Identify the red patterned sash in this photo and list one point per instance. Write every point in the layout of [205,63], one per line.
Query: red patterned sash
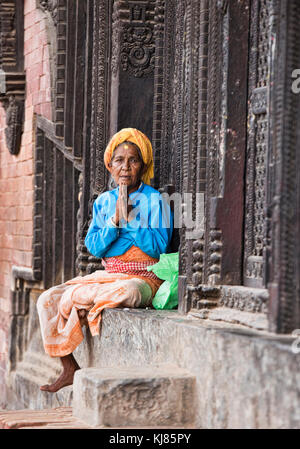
[115,265]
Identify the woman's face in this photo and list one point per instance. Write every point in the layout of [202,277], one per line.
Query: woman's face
[127,166]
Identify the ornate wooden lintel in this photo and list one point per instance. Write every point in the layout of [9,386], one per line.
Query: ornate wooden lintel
[133,37]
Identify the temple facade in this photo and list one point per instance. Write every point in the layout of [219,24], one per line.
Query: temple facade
[215,85]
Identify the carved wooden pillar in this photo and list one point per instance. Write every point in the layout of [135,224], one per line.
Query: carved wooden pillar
[283,180]
[189,137]
[133,63]
[257,145]
[227,108]
[12,82]
[213,159]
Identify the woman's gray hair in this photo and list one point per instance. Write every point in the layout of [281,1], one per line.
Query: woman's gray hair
[129,143]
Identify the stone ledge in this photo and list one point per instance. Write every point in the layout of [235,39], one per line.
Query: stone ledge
[136,396]
[245,378]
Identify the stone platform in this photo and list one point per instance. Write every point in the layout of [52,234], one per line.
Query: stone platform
[244,378]
[155,395]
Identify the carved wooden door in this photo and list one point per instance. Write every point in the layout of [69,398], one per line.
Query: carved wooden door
[132,70]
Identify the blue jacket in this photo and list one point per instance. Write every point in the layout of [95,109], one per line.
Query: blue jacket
[150,229]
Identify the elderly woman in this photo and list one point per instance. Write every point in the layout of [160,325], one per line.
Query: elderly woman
[131,227]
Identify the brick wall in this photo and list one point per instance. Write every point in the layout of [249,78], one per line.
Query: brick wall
[16,172]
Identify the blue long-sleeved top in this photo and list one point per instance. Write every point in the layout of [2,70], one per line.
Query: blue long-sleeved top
[150,229]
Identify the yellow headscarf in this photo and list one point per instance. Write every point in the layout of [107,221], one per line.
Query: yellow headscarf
[138,138]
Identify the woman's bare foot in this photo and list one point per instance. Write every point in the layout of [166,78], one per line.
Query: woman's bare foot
[66,378]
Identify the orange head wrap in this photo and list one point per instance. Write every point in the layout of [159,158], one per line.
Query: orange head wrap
[138,138]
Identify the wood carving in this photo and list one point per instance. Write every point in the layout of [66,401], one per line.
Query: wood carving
[12,92]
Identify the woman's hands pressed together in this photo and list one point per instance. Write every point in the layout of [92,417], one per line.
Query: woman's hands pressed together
[123,207]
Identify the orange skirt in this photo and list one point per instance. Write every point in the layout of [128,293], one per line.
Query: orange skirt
[58,307]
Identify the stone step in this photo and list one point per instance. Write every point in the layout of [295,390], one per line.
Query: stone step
[58,418]
[26,382]
[156,395]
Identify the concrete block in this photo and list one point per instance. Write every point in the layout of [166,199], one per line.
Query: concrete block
[136,396]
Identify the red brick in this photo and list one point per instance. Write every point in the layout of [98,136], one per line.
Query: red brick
[4,293]
[36,57]
[36,97]
[13,184]
[28,183]
[4,279]
[35,70]
[39,41]
[33,85]
[26,138]
[3,186]
[27,150]
[28,46]
[29,5]
[48,94]
[31,31]
[43,82]
[24,228]
[28,167]
[6,254]
[12,172]
[31,18]
[29,112]
[42,97]
[11,227]
[10,213]
[23,258]
[2,227]
[14,242]
[37,109]
[28,101]
[25,198]
[26,212]
[46,53]
[8,199]
[46,110]
[6,267]
[32,58]
[20,213]
[22,243]
[6,242]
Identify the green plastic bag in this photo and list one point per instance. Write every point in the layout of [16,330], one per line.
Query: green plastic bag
[166,269]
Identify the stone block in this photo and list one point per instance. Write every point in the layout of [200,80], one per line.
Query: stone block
[136,396]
